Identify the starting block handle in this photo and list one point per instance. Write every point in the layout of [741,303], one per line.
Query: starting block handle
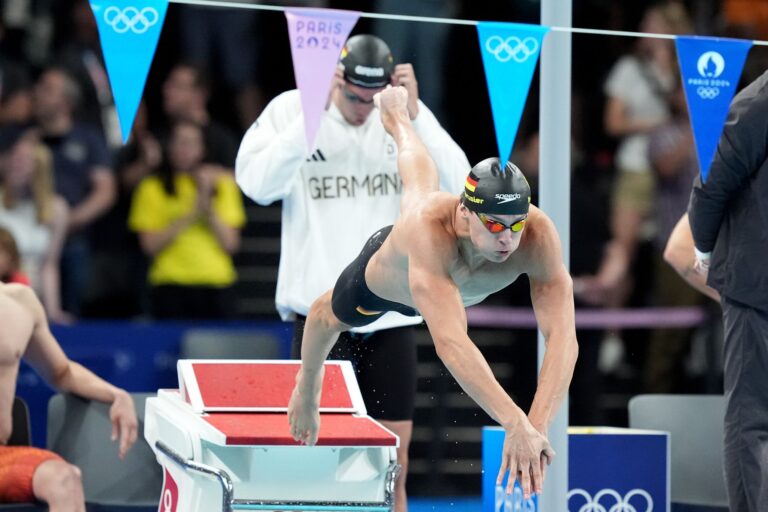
[227,487]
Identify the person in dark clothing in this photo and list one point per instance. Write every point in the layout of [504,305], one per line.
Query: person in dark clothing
[728,214]
[82,169]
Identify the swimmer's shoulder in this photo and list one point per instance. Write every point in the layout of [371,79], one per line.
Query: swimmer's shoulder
[434,214]
[439,206]
[21,294]
[539,235]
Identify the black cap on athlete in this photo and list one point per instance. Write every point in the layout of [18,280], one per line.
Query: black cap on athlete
[491,188]
[367,62]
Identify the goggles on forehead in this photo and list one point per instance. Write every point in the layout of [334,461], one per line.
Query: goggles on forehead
[496,227]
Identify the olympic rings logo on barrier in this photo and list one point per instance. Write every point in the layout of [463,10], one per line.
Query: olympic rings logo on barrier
[708,93]
[615,502]
[521,50]
[130,18]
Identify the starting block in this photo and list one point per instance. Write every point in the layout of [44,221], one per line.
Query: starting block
[224,442]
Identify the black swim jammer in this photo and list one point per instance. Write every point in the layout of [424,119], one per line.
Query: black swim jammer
[353,303]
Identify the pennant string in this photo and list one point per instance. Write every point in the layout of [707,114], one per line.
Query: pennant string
[447,21]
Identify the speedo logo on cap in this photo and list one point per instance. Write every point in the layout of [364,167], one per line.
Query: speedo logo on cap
[366,71]
[505,198]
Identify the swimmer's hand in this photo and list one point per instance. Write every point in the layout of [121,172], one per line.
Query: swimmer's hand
[392,102]
[525,454]
[304,408]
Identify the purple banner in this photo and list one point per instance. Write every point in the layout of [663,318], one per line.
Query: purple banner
[317,37]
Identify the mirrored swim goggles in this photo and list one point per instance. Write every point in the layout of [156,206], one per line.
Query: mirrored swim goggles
[496,227]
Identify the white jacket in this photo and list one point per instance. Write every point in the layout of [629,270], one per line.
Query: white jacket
[335,198]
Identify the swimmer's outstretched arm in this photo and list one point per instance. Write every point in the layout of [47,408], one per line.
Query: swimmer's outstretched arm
[552,298]
[437,298]
[414,163]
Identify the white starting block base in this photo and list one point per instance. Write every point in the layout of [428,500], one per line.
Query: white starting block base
[226,446]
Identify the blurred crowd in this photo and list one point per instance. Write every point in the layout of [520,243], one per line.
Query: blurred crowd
[151,229]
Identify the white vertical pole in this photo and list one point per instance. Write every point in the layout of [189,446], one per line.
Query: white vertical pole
[554,199]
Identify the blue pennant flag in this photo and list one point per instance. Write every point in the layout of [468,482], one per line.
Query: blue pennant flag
[711,69]
[510,52]
[129,31]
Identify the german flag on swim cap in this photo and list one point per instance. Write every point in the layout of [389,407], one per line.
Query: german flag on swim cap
[493,189]
[471,182]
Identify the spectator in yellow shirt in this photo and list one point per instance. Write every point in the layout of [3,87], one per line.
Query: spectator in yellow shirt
[188,217]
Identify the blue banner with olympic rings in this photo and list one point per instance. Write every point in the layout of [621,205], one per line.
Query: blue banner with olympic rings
[510,52]
[710,68]
[129,31]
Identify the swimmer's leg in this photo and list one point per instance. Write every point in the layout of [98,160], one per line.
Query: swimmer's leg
[321,330]
[59,484]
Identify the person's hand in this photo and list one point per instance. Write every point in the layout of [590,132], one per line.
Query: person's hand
[125,426]
[304,409]
[405,76]
[205,180]
[702,261]
[525,454]
[610,283]
[392,103]
[336,84]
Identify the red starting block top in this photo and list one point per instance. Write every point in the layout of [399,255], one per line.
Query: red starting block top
[262,386]
[241,429]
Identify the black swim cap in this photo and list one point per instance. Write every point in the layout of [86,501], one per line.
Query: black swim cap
[491,189]
[367,61]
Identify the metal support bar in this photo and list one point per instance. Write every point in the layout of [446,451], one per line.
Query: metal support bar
[227,489]
[389,486]
[555,200]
